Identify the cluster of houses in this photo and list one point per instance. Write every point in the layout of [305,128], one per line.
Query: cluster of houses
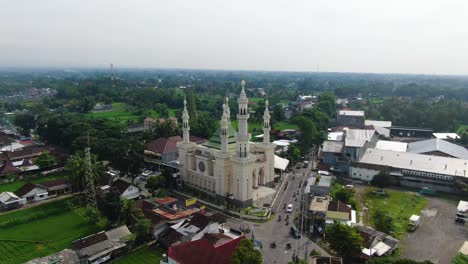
[95,248]
[17,155]
[414,157]
[323,210]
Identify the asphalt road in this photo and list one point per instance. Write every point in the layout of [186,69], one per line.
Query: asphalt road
[277,231]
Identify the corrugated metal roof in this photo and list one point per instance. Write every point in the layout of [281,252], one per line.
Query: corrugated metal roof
[391,145]
[417,162]
[333,146]
[358,137]
[435,144]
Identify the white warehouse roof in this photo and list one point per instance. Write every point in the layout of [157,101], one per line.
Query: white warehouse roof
[358,137]
[416,162]
[391,145]
[446,135]
[435,144]
[377,123]
[281,163]
[351,113]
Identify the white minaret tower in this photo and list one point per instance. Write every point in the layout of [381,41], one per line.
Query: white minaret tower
[266,124]
[224,131]
[185,124]
[243,136]
[228,111]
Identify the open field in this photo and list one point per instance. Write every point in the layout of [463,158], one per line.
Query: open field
[41,230]
[144,255]
[119,112]
[255,128]
[284,125]
[14,186]
[398,204]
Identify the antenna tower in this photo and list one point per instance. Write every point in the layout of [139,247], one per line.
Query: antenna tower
[112,75]
[90,191]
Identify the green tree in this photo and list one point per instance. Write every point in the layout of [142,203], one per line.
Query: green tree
[155,182]
[76,168]
[25,121]
[92,215]
[130,213]
[344,195]
[111,206]
[246,254]
[394,260]
[460,259]
[383,221]
[45,160]
[142,229]
[382,180]
[345,241]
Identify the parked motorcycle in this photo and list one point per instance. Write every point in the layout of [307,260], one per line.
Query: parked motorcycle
[288,246]
[279,218]
[273,244]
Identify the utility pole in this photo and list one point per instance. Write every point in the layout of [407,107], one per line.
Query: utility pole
[90,190]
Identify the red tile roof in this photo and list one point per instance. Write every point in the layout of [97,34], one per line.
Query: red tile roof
[89,240]
[177,215]
[339,206]
[120,185]
[203,251]
[27,152]
[168,145]
[53,183]
[26,188]
[165,200]
[8,168]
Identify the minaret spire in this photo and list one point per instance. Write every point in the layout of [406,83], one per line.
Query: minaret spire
[228,111]
[243,136]
[266,124]
[185,124]
[224,130]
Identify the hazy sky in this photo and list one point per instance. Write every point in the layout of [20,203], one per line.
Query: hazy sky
[404,36]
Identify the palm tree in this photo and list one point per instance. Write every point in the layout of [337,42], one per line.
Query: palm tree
[130,213]
[76,168]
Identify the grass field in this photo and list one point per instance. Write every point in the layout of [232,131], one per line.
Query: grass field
[255,128]
[400,205]
[284,125]
[141,256]
[119,112]
[13,186]
[53,224]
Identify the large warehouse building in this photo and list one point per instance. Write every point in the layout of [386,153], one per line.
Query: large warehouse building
[412,169]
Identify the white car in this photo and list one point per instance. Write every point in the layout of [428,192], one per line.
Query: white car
[289,209]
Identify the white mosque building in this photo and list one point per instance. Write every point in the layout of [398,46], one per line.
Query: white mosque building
[229,165]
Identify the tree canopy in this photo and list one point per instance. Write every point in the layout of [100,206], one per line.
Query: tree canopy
[246,254]
[345,241]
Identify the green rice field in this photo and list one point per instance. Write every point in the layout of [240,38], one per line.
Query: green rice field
[144,255]
[14,186]
[41,231]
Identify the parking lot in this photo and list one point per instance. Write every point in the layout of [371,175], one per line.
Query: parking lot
[438,238]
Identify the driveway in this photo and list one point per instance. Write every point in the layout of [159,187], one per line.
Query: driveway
[438,238]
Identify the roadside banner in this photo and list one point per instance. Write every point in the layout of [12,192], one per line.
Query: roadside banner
[191,201]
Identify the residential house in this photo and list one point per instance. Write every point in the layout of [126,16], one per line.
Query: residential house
[317,212]
[376,243]
[8,168]
[103,246]
[189,230]
[66,256]
[45,190]
[32,192]
[340,212]
[211,249]
[126,189]
[9,201]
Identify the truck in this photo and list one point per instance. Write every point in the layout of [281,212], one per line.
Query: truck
[413,222]
[462,212]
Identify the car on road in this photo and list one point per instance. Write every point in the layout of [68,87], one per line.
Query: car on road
[294,232]
[289,209]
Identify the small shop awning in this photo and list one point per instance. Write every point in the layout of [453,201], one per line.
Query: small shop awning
[281,163]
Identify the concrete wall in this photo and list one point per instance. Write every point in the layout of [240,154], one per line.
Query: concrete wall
[362,173]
